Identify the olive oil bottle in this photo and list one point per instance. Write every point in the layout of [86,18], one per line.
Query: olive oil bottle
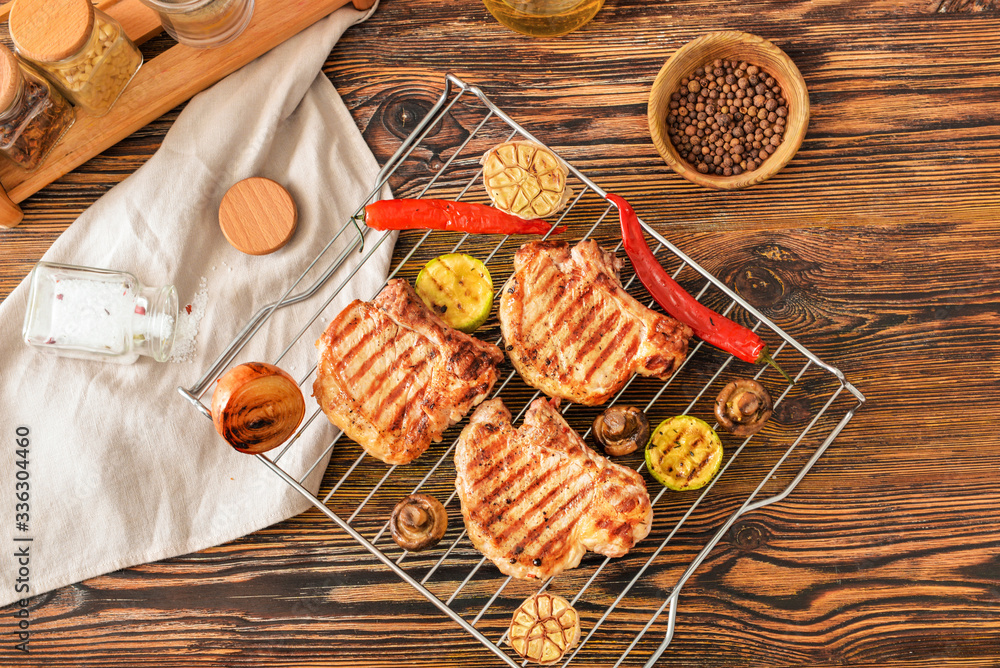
[543,18]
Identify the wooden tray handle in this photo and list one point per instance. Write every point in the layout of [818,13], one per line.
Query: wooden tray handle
[10,213]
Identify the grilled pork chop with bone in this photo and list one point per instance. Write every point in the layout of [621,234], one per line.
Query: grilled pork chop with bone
[573,332]
[394,377]
[536,498]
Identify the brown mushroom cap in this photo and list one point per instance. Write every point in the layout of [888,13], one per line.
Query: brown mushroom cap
[742,407]
[621,430]
[418,522]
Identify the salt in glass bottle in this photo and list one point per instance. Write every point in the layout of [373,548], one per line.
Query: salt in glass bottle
[98,314]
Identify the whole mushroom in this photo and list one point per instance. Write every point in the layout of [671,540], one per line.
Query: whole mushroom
[418,522]
[742,407]
[621,430]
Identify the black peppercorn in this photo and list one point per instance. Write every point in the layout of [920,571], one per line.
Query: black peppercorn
[726,117]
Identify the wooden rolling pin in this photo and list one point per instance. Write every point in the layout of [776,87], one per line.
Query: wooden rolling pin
[160,85]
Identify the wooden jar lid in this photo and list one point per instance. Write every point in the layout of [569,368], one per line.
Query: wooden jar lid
[257,216]
[10,78]
[50,30]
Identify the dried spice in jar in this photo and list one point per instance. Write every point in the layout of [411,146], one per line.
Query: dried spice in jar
[727,117]
[80,49]
[203,23]
[33,116]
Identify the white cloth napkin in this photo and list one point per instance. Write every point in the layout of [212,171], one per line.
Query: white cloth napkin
[123,470]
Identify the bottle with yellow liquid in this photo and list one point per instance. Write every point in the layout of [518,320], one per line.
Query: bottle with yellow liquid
[543,18]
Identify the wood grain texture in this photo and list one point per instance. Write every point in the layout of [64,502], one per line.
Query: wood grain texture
[966,5]
[876,246]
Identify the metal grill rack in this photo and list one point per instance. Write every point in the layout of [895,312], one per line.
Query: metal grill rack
[621,601]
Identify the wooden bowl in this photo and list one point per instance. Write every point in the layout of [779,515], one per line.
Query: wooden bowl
[738,46]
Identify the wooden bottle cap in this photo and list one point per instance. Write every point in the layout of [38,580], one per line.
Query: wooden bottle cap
[10,78]
[257,216]
[50,30]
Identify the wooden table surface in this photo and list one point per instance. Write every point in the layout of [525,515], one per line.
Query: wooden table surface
[877,247]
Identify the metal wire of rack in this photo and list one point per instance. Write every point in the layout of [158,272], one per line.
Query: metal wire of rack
[475,604]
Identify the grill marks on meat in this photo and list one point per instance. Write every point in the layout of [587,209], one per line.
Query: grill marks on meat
[573,332]
[536,498]
[394,377]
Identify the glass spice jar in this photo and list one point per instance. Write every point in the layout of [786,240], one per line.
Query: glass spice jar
[33,116]
[82,50]
[98,314]
[544,18]
[203,23]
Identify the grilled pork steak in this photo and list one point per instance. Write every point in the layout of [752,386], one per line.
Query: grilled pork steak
[394,377]
[535,499]
[573,332]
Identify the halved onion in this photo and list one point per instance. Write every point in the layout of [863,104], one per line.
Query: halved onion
[257,407]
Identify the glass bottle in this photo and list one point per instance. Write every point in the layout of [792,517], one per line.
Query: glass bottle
[98,314]
[80,49]
[203,23]
[33,116]
[543,18]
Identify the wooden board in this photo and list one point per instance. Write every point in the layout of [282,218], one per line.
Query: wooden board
[161,84]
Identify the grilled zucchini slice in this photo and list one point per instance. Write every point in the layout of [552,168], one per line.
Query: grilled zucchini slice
[458,288]
[684,453]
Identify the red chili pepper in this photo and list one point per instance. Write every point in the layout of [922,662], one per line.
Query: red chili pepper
[435,214]
[708,325]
